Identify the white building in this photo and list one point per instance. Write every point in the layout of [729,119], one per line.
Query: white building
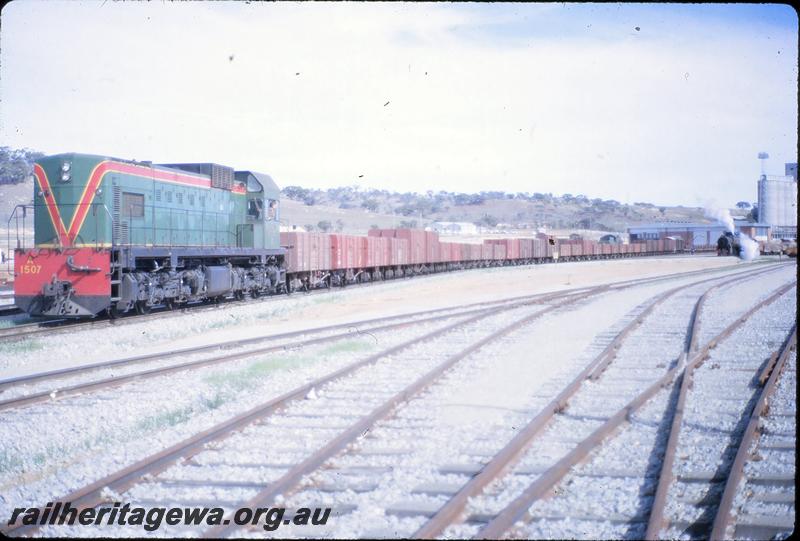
[777,202]
[454,228]
[691,233]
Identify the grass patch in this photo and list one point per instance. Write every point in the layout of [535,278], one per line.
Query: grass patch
[248,376]
[25,345]
[166,418]
[350,346]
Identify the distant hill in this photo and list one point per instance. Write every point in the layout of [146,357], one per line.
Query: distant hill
[358,209]
[355,211]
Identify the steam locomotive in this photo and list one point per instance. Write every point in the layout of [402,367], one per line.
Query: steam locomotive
[729,244]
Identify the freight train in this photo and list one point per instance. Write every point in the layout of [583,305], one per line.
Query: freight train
[113,236]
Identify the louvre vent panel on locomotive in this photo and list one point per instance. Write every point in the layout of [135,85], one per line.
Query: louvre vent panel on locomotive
[117,235]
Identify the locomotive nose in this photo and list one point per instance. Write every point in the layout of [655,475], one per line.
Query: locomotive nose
[62,283]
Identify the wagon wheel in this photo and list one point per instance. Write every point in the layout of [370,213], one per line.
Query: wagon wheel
[238,294]
[169,303]
[142,308]
[255,293]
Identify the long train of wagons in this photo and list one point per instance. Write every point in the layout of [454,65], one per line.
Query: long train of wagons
[114,235]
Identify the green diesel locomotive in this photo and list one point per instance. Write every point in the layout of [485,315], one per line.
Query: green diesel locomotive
[117,235]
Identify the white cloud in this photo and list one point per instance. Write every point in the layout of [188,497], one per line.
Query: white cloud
[668,115]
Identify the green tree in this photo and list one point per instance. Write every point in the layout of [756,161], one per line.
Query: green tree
[16,164]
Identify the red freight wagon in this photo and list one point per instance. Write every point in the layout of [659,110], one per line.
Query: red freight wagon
[444,251]
[431,247]
[297,251]
[416,244]
[475,252]
[448,249]
[360,252]
[320,250]
[660,245]
[576,248]
[402,251]
[338,252]
[345,251]
[487,251]
[512,248]
[564,249]
[499,252]
[525,248]
[375,250]
[606,249]
[539,248]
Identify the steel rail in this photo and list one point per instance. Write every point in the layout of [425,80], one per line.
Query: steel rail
[518,508]
[92,494]
[115,381]
[295,474]
[514,450]
[65,372]
[723,514]
[63,325]
[656,519]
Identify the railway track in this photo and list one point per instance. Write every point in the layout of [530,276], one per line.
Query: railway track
[13,392]
[394,392]
[480,328]
[34,329]
[756,501]
[444,499]
[717,395]
[277,342]
[549,489]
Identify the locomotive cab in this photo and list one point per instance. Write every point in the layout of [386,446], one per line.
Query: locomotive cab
[262,220]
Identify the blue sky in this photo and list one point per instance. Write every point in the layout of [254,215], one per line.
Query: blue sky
[562,98]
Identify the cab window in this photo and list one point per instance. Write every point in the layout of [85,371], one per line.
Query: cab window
[254,208]
[272,210]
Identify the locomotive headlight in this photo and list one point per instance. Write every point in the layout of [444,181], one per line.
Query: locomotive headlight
[65,177]
[66,167]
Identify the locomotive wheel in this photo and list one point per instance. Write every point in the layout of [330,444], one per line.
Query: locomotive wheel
[238,295]
[255,293]
[142,308]
[113,312]
[170,304]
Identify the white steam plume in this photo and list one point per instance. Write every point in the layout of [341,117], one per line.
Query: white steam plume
[720,214]
[749,249]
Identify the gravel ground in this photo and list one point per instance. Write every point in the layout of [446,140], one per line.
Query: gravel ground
[283,314]
[608,496]
[304,426]
[773,454]
[459,421]
[711,428]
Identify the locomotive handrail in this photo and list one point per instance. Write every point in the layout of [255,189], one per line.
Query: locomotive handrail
[14,216]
